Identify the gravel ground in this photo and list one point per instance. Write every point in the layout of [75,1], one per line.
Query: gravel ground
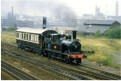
[105,68]
[117,58]
[32,69]
[6,76]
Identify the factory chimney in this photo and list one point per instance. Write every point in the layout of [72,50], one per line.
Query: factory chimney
[74,34]
[12,13]
[44,22]
[116,8]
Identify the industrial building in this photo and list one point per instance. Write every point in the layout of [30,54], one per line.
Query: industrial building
[93,26]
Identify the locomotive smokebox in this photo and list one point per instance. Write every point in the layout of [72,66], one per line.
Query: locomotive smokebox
[44,22]
[74,34]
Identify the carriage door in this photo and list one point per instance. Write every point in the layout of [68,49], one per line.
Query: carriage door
[40,41]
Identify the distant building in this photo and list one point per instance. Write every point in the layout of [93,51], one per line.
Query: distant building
[92,26]
[19,23]
[87,16]
[12,21]
[98,14]
[63,22]
[6,22]
[97,10]
[24,23]
[117,18]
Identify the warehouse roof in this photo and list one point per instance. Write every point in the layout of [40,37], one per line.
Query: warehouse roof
[92,26]
[101,22]
[94,29]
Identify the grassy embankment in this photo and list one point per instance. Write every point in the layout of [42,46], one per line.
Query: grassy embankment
[8,37]
[107,51]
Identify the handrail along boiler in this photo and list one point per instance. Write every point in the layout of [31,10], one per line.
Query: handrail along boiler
[50,43]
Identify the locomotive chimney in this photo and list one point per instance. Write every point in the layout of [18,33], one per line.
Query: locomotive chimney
[44,22]
[74,34]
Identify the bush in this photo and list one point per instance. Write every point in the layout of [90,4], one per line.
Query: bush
[3,29]
[11,29]
[114,32]
[98,34]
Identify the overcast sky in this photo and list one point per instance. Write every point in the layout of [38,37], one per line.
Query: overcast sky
[50,7]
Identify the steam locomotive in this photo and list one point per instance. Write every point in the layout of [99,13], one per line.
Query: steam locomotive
[50,43]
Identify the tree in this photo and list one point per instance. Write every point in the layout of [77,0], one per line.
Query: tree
[98,34]
[114,32]
[12,28]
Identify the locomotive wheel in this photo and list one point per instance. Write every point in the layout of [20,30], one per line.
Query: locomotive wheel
[22,47]
[49,55]
[18,45]
[66,61]
[40,53]
[33,51]
[45,53]
[78,61]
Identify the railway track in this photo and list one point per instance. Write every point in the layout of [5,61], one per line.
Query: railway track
[47,66]
[16,72]
[81,72]
[92,72]
[109,75]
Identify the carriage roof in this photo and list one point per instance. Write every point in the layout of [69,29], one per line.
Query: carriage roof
[34,30]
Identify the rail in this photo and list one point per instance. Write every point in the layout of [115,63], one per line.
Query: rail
[16,72]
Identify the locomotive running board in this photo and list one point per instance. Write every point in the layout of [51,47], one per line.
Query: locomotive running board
[50,50]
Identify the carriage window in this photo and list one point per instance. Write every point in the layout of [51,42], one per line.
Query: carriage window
[36,38]
[32,37]
[17,35]
[26,36]
[20,35]
[29,37]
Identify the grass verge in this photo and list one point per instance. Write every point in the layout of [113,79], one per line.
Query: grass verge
[107,51]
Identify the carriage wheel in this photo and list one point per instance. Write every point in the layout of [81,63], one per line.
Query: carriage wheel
[66,60]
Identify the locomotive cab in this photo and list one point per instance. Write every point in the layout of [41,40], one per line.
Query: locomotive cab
[68,37]
[56,37]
